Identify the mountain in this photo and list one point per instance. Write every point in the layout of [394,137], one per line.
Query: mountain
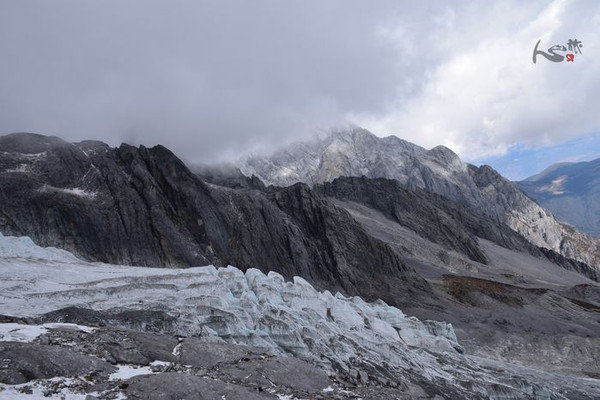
[570,191]
[357,152]
[513,306]
[140,206]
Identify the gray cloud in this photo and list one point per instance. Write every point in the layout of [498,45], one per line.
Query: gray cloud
[214,79]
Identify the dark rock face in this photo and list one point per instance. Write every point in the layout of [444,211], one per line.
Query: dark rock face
[143,206]
[419,211]
[119,215]
[336,234]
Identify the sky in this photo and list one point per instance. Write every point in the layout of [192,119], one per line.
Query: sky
[214,80]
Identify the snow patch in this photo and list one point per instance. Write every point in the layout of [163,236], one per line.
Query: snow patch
[32,156]
[12,332]
[78,192]
[125,372]
[21,168]
[285,172]
[556,187]
[20,333]
[177,350]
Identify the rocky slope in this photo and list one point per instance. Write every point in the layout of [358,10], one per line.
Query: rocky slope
[570,191]
[517,307]
[453,225]
[358,152]
[214,333]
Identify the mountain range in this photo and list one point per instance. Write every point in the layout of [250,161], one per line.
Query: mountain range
[570,191]
[378,218]
[360,153]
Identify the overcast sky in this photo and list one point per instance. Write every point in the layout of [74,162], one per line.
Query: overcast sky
[214,79]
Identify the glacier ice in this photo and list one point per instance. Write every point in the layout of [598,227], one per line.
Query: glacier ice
[344,336]
[252,308]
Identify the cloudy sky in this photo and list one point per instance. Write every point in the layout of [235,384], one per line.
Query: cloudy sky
[215,79]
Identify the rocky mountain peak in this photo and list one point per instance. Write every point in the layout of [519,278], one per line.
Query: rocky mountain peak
[353,152]
[357,152]
[444,155]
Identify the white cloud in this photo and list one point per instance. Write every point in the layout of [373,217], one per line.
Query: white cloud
[486,94]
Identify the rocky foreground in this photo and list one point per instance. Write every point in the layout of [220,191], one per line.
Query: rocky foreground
[87,330]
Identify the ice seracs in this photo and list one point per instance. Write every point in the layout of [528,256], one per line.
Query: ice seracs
[372,343]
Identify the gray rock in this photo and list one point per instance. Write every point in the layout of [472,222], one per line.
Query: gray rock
[32,361]
[279,371]
[172,386]
[200,353]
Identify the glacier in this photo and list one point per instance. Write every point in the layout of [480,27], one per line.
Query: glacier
[354,342]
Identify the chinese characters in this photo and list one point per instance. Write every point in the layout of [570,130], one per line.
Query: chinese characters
[553,53]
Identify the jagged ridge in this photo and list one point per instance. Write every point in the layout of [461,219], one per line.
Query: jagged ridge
[141,206]
[358,152]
